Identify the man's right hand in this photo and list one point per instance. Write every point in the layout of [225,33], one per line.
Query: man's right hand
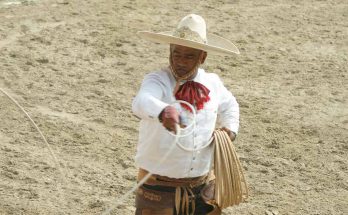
[169,118]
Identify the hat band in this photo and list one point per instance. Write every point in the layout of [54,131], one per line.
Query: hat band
[187,34]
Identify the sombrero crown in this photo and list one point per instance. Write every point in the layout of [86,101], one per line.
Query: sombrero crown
[192,32]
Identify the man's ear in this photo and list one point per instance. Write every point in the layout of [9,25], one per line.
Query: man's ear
[203,57]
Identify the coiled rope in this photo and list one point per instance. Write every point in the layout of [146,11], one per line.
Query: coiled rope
[230,185]
[230,188]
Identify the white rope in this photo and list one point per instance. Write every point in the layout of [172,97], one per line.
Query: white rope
[38,129]
[62,173]
[175,143]
[193,125]
[178,135]
[142,181]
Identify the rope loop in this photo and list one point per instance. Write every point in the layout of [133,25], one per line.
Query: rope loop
[191,126]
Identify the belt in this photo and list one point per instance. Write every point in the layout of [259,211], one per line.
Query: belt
[172,182]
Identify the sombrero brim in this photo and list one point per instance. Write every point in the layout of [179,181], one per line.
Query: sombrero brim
[216,44]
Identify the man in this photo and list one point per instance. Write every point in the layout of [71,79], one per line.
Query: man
[181,184]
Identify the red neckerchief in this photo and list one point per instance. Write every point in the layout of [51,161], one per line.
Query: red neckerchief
[194,93]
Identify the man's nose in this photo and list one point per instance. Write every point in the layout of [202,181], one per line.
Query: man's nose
[182,62]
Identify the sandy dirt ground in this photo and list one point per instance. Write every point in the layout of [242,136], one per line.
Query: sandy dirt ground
[76,65]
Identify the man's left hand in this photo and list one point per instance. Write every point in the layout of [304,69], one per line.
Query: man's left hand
[230,133]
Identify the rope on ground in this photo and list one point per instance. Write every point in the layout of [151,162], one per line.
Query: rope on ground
[231,187]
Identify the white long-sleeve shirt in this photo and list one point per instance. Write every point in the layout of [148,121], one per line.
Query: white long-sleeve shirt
[155,94]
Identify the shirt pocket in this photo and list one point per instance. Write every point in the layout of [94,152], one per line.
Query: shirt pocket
[209,114]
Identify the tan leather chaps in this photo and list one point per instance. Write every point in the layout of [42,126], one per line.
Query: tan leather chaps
[168,211]
[166,196]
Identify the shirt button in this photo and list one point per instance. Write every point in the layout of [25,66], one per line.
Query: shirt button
[191,169]
[194,158]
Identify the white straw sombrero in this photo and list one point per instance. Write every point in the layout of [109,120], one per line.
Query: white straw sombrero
[191,32]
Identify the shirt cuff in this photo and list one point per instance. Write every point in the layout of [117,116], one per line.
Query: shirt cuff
[232,127]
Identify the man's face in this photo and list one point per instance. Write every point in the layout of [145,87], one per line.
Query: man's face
[184,59]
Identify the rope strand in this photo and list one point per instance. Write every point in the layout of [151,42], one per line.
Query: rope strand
[120,201]
[57,164]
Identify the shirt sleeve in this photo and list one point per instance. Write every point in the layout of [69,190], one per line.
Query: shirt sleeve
[147,103]
[228,109]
